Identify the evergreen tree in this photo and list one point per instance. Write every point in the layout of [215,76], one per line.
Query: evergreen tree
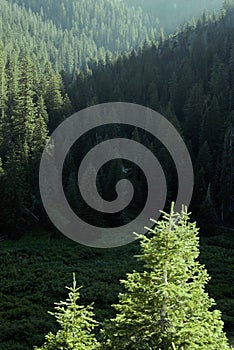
[204,160]
[212,126]
[14,194]
[231,67]
[193,116]
[72,193]
[23,119]
[39,136]
[7,119]
[1,196]
[54,102]
[227,175]
[3,88]
[12,71]
[167,303]
[76,325]
[199,192]
[207,217]
[39,139]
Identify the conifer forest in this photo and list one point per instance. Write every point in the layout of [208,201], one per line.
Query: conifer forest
[171,288]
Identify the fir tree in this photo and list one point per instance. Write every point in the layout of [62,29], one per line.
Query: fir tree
[227,175]
[76,324]
[72,193]
[167,303]
[54,102]
[3,88]
[207,217]
[13,194]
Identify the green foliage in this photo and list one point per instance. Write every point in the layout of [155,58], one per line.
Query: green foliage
[195,93]
[167,303]
[189,79]
[173,13]
[76,323]
[34,271]
[227,174]
[71,33]
[207,217]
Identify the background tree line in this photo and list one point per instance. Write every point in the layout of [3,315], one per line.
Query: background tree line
[188,78]
[69,33]
[174,13]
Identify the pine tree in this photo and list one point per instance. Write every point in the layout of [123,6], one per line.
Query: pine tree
[24,117]
[204,160]
[231,67]
[72,193]
[3,88]
[193,110]
[167,303]
[6,123]
[54,101]
[40,133]
[1,196]
[200,189]
[3,99]
[227,175]
[38,142]
[13,194]
[76,325]
[12,72]
[212,126]
[207,217]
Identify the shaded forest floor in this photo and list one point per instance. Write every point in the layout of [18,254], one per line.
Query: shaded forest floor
[35,270]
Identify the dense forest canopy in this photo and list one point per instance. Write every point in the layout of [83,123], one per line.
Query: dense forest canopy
[173,13]
[188,77]
[69,33]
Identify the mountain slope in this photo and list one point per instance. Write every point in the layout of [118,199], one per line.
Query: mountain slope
[173,13]
[70,33]
[190,79]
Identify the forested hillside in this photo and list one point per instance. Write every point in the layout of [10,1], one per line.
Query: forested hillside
[190,79]
[173,13]
[70,33]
